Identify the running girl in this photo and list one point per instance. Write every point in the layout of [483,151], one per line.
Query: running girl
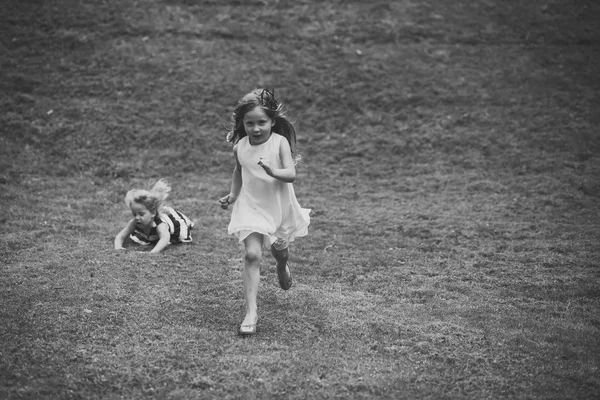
[265,210]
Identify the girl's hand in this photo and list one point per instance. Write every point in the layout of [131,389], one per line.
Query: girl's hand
[266,164]
[226,201]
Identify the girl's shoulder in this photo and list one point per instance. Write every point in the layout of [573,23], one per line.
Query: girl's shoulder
[242,143]
[164,218]
[280,141]
[276,139]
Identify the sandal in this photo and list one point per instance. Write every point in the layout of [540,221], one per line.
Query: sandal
[285,282]
[247,330]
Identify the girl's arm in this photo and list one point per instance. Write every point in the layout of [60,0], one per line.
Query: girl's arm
[236,183]
[164,238]
[124,234]
[288,172]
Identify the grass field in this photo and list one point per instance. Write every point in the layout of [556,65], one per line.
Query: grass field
[451,159]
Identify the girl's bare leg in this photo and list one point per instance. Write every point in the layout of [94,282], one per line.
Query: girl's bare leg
[251,276]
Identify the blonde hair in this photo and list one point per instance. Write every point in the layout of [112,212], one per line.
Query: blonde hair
[152,199]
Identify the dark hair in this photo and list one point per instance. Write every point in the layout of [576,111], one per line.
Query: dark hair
[265,99]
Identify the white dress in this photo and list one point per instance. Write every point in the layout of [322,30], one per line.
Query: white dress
[266,205]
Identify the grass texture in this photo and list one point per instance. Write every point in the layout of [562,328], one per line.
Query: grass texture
[451,157]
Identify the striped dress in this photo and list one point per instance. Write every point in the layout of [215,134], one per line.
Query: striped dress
[179,226]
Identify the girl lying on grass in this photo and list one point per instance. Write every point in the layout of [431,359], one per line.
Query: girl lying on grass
[153,223]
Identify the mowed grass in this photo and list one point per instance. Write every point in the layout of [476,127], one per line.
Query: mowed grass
[451,158]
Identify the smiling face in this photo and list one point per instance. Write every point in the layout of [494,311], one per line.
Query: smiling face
[143,217]
[257,125]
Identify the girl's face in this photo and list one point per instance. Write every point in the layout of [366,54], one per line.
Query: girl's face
[143,217]
[257,125]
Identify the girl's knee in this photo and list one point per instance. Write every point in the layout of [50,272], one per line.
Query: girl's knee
[252,256]
[253,244]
